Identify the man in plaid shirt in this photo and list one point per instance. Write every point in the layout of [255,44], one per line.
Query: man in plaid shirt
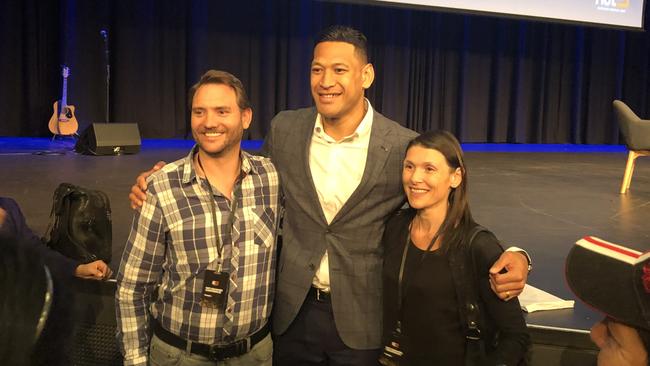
[206,235]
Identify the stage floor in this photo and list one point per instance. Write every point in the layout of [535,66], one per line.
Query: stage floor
[538,197]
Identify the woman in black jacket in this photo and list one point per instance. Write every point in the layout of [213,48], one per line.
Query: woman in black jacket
[438,305]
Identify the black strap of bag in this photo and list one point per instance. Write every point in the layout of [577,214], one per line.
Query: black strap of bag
[479,333]
[466,278]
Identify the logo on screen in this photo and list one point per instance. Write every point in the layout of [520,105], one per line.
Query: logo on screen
[619,6]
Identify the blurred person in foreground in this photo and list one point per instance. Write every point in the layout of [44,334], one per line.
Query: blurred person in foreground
[36,308]
[614,280]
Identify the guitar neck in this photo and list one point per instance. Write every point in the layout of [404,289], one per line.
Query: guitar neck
[64,93]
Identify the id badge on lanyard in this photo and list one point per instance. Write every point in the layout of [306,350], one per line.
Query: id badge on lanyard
[215,289]
[216,282]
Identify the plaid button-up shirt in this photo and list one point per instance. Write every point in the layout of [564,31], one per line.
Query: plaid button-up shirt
[172,242]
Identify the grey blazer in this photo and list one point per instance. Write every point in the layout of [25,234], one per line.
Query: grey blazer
[353,238]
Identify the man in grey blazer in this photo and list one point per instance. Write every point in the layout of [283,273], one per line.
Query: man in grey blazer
[340,170]
[347,240]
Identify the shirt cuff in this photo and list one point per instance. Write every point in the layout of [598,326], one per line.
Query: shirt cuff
[517,249]
[138,361]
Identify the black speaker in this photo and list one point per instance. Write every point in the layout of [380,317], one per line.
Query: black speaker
[109,139]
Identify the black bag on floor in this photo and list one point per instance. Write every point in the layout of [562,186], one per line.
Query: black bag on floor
[80,224]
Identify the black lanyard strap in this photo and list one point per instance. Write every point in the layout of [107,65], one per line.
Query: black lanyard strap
[400,280]
[213,206]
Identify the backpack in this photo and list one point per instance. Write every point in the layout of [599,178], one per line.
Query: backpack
[80,224]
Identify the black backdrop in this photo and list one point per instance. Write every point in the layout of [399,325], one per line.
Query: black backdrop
[486,79]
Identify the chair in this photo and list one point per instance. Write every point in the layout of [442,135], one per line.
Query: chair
[636,133]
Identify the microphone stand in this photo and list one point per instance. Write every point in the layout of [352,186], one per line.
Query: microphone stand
[104,34]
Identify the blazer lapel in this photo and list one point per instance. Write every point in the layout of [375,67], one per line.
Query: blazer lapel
[306,134]
[378,152]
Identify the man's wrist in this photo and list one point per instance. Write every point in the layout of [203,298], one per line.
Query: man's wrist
[517,249]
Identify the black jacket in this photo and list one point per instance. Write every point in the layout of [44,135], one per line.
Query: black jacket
[503,330]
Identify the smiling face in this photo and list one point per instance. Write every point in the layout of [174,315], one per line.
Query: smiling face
[339,77]
[218,123]
[428,179]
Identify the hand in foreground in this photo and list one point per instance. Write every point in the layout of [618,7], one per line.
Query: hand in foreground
[139,189]
[511,282]
[619,344]
[97,270]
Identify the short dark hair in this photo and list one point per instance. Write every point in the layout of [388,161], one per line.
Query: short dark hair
[342,33]
[223,78]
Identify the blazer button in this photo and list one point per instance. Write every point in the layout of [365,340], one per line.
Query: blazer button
[312,266]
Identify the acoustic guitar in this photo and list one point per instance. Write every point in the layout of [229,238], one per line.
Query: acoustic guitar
[63,121]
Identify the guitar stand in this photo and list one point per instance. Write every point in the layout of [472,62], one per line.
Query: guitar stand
[74,135]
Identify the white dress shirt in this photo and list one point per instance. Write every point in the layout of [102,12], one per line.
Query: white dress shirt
[336,168]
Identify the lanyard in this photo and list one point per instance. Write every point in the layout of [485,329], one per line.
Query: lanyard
[400,280]
[213,206]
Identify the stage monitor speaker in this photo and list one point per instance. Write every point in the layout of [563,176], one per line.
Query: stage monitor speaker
[109,139]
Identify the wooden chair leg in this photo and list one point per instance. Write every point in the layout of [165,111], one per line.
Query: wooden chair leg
[629,170]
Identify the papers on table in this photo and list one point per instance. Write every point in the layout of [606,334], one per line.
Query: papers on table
[533,299]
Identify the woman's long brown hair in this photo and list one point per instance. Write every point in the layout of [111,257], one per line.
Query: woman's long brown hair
[459,218]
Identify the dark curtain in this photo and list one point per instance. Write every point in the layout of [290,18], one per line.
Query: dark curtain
[486,79]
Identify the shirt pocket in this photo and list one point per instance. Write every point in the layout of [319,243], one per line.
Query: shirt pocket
[264,226]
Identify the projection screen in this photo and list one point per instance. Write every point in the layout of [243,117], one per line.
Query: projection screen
[617,13]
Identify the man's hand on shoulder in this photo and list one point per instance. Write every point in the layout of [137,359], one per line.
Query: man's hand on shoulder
[139,189]
[508,274]
[97,270]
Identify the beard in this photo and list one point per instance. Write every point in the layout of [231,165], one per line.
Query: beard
[230,140]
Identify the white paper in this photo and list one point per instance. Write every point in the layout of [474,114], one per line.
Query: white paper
[533,299]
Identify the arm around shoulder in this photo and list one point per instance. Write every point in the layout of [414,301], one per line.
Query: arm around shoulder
[139,190]
[509,273]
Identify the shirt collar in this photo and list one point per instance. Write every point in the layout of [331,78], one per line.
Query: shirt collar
[189,173]
[362,130]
